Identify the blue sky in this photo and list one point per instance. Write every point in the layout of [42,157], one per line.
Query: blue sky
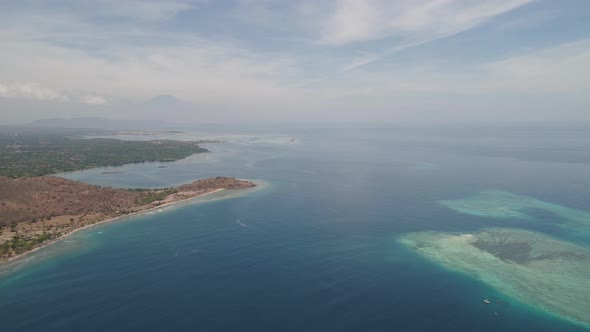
[302,60]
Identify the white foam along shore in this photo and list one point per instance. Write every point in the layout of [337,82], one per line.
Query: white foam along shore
[530,267]
[177,203]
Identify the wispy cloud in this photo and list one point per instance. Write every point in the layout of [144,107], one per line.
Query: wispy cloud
[366,20]
[305,58]
[564,69]
[367,59]
[545,84]
[407,24]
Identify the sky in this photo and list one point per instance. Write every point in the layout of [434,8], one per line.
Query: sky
[297,61]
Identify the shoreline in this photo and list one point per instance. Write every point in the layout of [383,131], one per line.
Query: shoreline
[65,236]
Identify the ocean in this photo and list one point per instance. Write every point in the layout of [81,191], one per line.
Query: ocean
[315,247]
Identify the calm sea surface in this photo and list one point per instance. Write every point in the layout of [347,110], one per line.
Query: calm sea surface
[313,249]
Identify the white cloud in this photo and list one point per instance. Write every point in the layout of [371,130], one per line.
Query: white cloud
[556,70]
[365,60]
[409,23]
[31,91]
[134,59]
[365,20]
[550,84]
[93,100]
[96,60]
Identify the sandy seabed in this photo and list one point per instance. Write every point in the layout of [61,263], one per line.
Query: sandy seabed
[541,271]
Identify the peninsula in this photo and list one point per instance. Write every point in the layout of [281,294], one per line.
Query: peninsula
[26,152]
[35,211]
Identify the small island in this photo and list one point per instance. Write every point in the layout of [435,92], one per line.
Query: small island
[39,210]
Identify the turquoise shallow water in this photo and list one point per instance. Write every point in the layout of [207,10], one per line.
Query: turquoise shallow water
[316,249]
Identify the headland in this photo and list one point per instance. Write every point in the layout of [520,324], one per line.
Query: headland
[37,211]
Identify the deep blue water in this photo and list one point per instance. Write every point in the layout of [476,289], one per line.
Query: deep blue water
[318,249]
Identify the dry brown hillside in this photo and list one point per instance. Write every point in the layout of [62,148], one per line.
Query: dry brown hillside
[35,210]
[34,199]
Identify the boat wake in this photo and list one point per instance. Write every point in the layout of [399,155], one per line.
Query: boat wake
[239,221]
[185,252]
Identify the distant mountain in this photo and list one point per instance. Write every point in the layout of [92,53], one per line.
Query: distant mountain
[164,101]
[180,113]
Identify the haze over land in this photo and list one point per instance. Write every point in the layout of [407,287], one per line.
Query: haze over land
[372,61]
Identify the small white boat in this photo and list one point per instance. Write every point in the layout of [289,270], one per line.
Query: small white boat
[99,233]
[486,301]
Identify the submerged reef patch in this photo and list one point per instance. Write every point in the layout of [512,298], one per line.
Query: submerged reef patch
[531,267]
[504,205]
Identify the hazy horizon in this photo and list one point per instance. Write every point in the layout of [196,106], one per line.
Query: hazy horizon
[264,61]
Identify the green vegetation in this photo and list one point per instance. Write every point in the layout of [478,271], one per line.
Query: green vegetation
[20,244]
[26,153]
[153,196]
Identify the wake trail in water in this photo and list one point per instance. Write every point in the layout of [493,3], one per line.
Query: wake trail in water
[239,221]
[185,252]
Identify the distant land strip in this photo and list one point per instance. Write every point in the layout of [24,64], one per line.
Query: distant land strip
[27,153]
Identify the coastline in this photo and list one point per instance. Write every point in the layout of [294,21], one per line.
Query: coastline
[138,213]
